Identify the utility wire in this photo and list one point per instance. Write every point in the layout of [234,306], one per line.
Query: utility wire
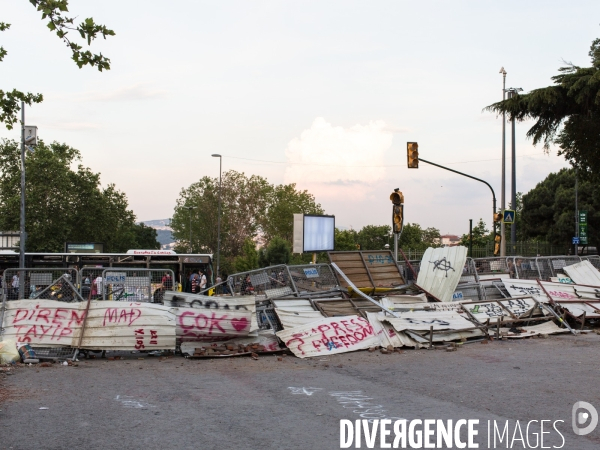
[363,166]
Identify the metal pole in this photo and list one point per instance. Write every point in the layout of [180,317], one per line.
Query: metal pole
[396,247]
[473,178]
[503,189]
[22,236]
[471,238]
[190,214]
[219,218]
[576,246]
[513,226]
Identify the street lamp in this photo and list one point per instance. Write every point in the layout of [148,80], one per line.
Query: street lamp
[189,208]
[215,155]
[503,189]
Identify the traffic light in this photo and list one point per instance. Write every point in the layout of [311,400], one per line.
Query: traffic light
[357,246]
[412,154]
[397,199]
[497,242]
[498,217]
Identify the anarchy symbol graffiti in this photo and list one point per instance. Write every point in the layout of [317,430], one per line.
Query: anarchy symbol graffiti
[442,264]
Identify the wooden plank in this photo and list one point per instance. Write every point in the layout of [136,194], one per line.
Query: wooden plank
[345,257]
[351,264]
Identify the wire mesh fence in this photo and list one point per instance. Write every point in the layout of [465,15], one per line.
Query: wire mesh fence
[313,278]
[268,282]
[139,285]
[491,266]
[594,260]
[42,283]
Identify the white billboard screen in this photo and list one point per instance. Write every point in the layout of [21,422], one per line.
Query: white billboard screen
[319,233]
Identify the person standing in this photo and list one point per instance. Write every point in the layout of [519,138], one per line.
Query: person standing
[202,281]
[15,285]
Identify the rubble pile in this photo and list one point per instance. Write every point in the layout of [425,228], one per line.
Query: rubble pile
[361,300]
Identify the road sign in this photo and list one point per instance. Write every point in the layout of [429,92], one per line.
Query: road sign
[509,216]
[583,234]
[583,216]
[575,240]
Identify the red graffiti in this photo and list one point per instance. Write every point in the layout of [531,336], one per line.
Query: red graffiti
[211,325]
[153,337]
[335,335]
[125,315]
[139,339]
[41,323]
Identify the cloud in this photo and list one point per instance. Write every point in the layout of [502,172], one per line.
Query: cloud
[334,161]
[126,93]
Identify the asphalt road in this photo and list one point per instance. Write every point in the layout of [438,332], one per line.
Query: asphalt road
[178,403]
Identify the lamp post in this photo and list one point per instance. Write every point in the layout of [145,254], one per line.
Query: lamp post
[503,189]
[219,212]
[189,208]
[513,227]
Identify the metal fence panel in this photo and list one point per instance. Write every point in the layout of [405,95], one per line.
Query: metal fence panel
[469,272]
[138,285]
[313,278]
[594,260]
[491,266]
[37,283]
[268,282]
[525,268]
[549,266]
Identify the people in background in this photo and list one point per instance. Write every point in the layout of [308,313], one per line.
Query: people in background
[203,281]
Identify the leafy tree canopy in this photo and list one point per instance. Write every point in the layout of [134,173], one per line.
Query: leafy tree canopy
[566,114]
[55,12]
[65,204]
[277,252]
[251,208]
[549,209]
[481,236]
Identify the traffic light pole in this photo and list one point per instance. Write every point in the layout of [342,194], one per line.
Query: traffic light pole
[474,178]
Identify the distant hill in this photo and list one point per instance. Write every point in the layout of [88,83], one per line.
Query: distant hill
[163,230]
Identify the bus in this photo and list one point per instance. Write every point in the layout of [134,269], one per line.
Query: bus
[182,265]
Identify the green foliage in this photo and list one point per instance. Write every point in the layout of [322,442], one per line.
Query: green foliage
[283,202]
[248,260]
[481,236]
[415,238]
[567,114]
[64,204]
[374,237]
[549,209]
[345,240]
[145,237]
[88,30]
[277,252]
[251,208]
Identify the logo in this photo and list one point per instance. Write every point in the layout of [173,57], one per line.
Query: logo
[580,418]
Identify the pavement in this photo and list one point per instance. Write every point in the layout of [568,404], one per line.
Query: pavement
[143,402]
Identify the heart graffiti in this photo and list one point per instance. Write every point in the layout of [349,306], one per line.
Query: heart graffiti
[239,324]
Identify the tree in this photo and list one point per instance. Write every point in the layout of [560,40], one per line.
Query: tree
[63,204]
[567,114]
[88,30]
[145,237]
[283,201]
[277,252]
[549,209]
[345,240]
[374,237]
[481,236]
[243,205]
[248,260]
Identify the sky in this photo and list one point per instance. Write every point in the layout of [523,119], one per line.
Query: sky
[324,94]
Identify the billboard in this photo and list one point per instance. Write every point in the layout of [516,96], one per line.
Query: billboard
[318,233]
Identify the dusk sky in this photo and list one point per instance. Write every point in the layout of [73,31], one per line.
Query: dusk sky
[324,94]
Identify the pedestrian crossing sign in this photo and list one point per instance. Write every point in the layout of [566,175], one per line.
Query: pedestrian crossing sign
[509,216]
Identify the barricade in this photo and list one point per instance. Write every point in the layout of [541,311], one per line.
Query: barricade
[549,266]
[594,260]
[36,283]
[137,285]
[268,282]
[491,266]
[310,278]
[524,268]
[469,274]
